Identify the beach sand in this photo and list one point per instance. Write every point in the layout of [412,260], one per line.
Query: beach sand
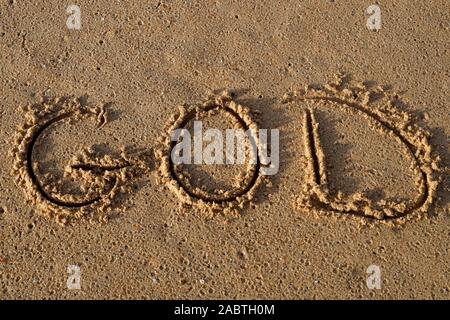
[86,178]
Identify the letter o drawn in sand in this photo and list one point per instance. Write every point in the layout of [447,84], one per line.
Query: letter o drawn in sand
[98,197]
[228,200]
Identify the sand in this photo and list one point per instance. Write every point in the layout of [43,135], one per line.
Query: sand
[86,177]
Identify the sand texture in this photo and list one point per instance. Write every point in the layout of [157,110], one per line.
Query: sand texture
[87,177]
